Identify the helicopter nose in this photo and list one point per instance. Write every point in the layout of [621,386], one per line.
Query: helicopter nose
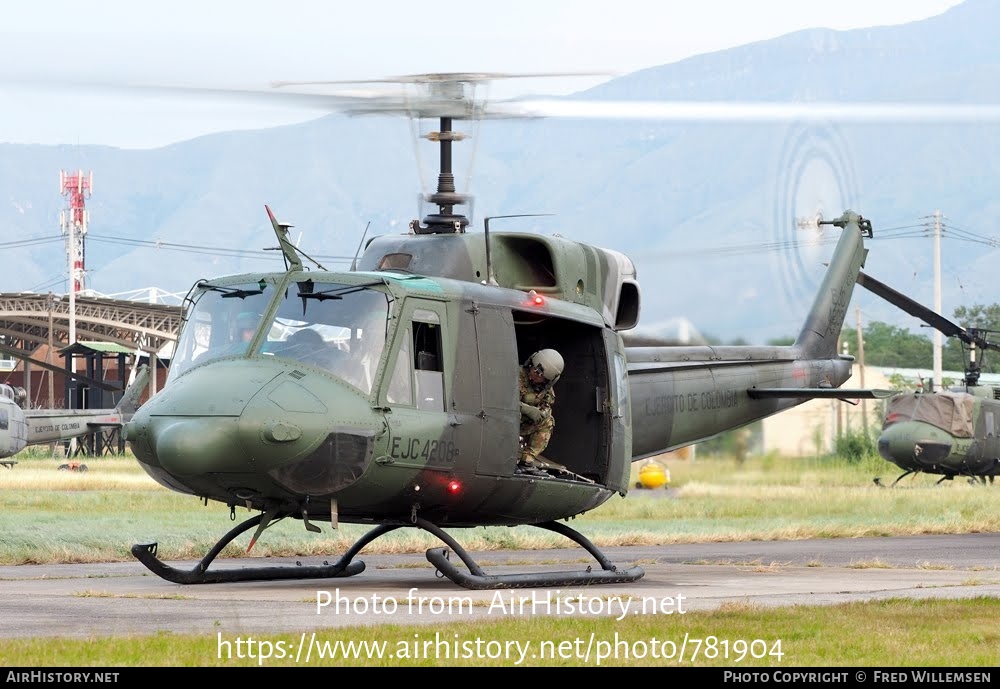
[914,444]
[186,447]
[192,425]
[231,426]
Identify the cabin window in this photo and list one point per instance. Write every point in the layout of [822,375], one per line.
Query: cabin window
[621,383]
[427,360]
[395,262]
[990,430]
[3,420]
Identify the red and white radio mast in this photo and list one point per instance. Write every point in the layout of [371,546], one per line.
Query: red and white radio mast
[73,223]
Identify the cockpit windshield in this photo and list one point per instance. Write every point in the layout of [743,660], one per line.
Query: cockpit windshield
[221,323]
[340,328]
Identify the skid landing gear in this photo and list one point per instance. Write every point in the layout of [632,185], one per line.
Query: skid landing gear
[146,554]
[475,578]
[479,580]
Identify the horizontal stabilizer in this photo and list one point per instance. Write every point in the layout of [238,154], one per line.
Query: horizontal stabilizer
[821,393]
[113,420]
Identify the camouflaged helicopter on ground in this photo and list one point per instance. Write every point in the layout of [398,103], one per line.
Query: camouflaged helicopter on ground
[21,426]
[951,432]
[404,410]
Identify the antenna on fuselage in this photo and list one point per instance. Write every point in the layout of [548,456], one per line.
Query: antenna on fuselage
[290,251]
[354,263]
[292,260]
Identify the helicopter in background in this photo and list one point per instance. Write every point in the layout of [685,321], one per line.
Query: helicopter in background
[387,394]
[951,432]
[21,426]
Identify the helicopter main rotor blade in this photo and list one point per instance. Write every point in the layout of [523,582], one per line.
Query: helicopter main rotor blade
[970,336]
[913,308]
[748,111]
[446,77]
[453,94]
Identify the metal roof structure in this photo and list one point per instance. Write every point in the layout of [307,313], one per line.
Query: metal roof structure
[26,320]
[103,347]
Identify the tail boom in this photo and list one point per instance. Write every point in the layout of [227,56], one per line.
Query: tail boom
[686,394]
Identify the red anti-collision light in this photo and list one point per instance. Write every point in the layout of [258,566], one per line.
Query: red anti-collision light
[454,486]
[536,298]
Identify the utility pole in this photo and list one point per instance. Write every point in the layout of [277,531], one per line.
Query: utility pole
[48,356]
[842,420]
[937,299]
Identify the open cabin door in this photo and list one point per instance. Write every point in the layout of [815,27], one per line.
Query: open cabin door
[591,438]
[492,367]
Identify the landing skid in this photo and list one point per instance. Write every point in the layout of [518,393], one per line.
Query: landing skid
[475,578]
[479,580]
[973,478]
[146,554]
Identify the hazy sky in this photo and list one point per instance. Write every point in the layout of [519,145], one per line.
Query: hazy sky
[249,43]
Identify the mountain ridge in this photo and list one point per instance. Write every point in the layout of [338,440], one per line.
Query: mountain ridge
[707,211]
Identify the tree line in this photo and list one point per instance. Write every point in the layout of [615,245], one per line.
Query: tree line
[889,346]
[892,347]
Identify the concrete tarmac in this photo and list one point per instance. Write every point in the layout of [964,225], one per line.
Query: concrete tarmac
[95,600]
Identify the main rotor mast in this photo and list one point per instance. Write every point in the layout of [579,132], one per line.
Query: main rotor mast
[447,96]
[446,197]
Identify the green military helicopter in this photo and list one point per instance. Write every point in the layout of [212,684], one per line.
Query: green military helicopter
[388,394]
[951,432]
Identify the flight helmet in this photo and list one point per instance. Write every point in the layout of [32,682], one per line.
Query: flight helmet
[547,362]
[245,325]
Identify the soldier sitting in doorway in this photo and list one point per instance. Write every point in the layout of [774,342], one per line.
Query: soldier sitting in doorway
[535,380]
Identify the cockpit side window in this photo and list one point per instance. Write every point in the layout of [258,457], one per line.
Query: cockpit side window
[401,384]
[417,377]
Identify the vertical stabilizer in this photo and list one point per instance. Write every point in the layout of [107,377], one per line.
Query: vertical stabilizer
[133,393]
[821,333]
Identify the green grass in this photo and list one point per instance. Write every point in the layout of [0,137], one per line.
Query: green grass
[900,633]
[53,516]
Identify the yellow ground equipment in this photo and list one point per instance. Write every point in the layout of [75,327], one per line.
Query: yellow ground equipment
[653,475]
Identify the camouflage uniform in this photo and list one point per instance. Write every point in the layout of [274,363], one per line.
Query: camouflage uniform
[535,434]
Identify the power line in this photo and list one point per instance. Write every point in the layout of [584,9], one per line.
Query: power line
[201,249]
[50,282]
[949,230]
[31,241]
